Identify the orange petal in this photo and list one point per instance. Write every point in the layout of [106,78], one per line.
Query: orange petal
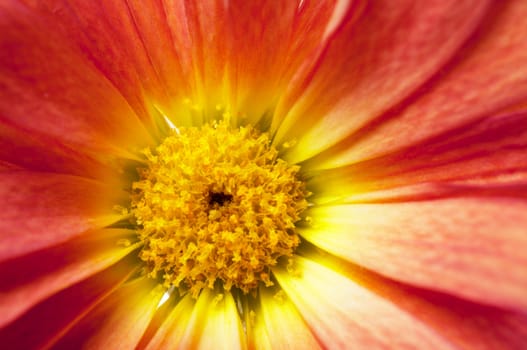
[463,246]
[119,321]
[343,314]
[267,43]
[44,209]
[382,55]
[45,323]
[29,279]
[278,320]
[485,80]
[58,92]
[188,60]
[131,44]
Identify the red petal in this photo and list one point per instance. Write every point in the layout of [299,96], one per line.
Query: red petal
[29,279]
[40,153]
[58,92]
[486,80]
[43,325]
[376,61]
[43,209]
[462,246]
[119,321]
[343,314]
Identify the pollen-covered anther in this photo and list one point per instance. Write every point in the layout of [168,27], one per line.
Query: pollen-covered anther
[216,206]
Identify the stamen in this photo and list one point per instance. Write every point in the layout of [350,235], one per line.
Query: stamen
[216,207]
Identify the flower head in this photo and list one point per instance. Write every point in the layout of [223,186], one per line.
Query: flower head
[263,174]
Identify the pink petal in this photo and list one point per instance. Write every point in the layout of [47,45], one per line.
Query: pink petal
[43,209]
[465,324]
[44,324]
[29,279]
[119,321]
[384,53]
[489,152]
[58,92]
[486,80]
[464,246]
[343,314]
[468,326]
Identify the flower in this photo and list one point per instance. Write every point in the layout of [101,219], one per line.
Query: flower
[396,130]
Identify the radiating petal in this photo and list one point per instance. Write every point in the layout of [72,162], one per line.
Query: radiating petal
[211,322]
[29,279]
[26,150]
[44,324]
[373,63]
[48,88]
[172,330]
[343,314]
[44,209]
[289,34]
[198,59]
[278,318]
[485,81]
[488,152]
[119,321]
[220,327]
[465,324]
[464,246]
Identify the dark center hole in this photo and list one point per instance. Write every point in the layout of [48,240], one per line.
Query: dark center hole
[219,198]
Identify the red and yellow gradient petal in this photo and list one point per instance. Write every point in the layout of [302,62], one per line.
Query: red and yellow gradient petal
[279,326]
[44,209]
[465,324]
[220,326]
[486,79]
[487,156]
[43,325]
[210,322]
[463,246]
[199,57]
[119,321]
[29,279]
[171,332]
[49,88]
[341,313]
[380,57]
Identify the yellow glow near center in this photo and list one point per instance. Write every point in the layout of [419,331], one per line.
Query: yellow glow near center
[216,207]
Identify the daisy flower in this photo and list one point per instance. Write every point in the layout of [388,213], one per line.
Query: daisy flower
[263,174]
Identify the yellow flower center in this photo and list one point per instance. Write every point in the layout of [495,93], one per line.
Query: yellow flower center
[215,206]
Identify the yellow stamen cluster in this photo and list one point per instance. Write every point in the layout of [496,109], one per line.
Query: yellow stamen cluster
[216,205]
